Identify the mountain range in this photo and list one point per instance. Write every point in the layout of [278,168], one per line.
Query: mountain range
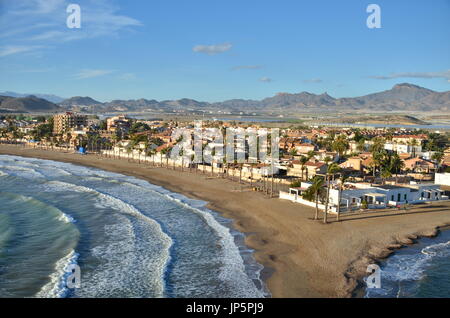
[49,97]
[29,104]
[401,97]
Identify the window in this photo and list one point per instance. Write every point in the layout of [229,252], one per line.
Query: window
[404,197]
[398,197]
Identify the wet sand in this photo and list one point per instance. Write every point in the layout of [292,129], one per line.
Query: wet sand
[302,257]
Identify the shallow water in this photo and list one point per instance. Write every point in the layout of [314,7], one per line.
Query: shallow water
[419,270]
[130,238]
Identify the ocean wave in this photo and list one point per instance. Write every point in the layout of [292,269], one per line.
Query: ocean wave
[401,272]
[130,265]
[3,174]
[57,286]
[60,215]
[5,231]
[24,172]
[233,271]
[109,201]
[437,250]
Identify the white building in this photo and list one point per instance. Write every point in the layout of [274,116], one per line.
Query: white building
[403,148]
[442,178]
[376,196]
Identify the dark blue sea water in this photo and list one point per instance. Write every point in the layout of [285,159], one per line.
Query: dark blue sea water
[130,238]
[419,270]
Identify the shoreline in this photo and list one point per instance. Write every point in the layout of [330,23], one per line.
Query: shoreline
[301,257]
[360,290]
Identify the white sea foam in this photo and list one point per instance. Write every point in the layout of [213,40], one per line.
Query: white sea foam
[401,268]
[439,249]
[25,172]
[232,272]
[157,264]
[233,269]
[57,286]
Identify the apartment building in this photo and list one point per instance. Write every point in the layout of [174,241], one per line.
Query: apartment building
[66,121]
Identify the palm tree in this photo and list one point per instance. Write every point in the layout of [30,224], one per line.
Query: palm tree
[437,157]
[377,150]
[151,153]
[385,173]
[361,145]
[303,161]
[395,164]
[413,143]
[331,171]
[340,145]
[317,189]
[342,180]
[293,152]
[310,154]
[164,152]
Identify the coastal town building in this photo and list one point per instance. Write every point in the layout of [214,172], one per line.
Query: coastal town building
[64,122]
[119,125]
[356,195]
[442,178]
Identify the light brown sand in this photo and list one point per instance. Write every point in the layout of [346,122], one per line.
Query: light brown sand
[307,258]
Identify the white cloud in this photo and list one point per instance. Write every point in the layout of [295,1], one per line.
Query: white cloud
[14,49]
[90,73]
[443,74]
[265,79]
[127,76]
[212,49]
[246,67]
[26,23]
[313,80]
[47,35]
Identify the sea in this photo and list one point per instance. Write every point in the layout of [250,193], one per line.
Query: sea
[421,270]
[123,236]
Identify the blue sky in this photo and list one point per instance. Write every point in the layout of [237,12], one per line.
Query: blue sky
[216,50]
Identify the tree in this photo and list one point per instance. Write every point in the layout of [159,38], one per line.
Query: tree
[331,171]
[395,164]
[316,188]
[437,157]
[340,145]
[385,174]
[303,161]
[361,145]
[293,152]
[413,143]
[138,127]
[342,180]
[378,152]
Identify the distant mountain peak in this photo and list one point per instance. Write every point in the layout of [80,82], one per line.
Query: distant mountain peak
[80,100]
[408,85]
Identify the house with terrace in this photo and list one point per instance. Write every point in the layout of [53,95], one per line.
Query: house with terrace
[354,196]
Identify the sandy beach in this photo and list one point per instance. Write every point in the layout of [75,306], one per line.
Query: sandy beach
[302,257]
